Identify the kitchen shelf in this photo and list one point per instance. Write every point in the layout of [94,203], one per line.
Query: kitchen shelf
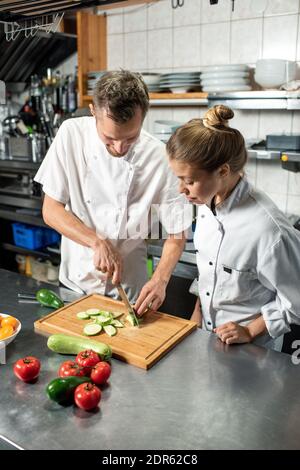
[19,217]
[269,99]
[37,253]
[171,99]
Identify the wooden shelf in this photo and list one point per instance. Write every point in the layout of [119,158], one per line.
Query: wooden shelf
[169,99]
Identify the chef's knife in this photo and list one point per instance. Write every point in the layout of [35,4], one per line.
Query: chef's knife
[130,308]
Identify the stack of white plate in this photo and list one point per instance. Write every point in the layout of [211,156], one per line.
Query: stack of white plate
[218,78]
[180,82]
[152,81]
[92,78]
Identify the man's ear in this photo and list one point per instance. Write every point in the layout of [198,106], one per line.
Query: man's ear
[92,109]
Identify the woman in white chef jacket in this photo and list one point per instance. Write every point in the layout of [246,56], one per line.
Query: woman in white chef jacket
[248,254]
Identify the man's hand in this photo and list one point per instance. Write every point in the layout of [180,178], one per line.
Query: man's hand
[232,332]
[151,296]
[197,314]
[108,260]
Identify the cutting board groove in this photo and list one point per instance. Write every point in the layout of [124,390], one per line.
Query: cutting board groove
[142,347]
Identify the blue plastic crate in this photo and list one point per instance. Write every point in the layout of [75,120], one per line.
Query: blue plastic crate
[51,236]
[28,236]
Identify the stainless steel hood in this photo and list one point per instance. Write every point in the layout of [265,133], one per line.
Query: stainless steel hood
[18,10]
[21,58]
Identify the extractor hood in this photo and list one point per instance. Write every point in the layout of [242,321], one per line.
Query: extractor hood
[23,57]
[18,10]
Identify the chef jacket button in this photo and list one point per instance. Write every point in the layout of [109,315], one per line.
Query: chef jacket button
[207,293]
[209,322]
[202,215]
[210,263]
[88,202]
[95,157]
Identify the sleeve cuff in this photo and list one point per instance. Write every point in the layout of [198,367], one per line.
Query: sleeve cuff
[275,320]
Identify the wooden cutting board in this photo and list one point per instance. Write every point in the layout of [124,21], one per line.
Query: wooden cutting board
[142,346]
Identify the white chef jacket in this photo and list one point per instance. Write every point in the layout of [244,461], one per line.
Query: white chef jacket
[248,258]
[112,196]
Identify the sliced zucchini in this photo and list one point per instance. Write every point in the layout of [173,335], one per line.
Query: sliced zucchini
[132,319]
[117,324]
[92,329]
[117,314]
[104,313]
[110,330]
[101,320]
[82,315]
[93,311]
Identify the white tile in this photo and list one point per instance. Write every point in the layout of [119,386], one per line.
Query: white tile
[186,46]
[115,51]
[184,115]
[282,7]
[280,36]
[279,199]
[158,114]
[115,21]
[296,122]
[215,13]
[271,178]
[245,9]
[247,122]
[293,205]
[190,13]
[246,41]
[136,57]
[298,44]
[160,48]
[160,15]
[293,183]
[251,171]
[274,122]
[215,51]
[135,19]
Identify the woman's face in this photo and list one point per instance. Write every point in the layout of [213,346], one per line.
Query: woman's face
[199,186]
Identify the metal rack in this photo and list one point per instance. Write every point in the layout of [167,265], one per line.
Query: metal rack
[269,99]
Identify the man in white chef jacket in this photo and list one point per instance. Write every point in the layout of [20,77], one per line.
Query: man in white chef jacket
[103,177]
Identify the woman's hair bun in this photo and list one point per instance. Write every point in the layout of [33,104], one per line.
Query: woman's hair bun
[218,115]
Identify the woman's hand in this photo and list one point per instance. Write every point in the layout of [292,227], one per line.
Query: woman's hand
[232,332]
[151,296]
[197,314]
[108,260]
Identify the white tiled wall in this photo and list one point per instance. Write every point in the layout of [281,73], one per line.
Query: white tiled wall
[158,38]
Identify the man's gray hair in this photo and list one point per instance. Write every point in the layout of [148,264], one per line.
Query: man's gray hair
[121,93]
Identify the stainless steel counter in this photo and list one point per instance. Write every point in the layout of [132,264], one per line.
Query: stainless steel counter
[202,395]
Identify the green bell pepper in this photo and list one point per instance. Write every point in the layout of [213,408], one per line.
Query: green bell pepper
[48,298]
[61,390]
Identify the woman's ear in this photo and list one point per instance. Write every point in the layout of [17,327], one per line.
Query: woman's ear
[224,170]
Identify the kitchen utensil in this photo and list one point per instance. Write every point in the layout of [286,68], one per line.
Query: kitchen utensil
[27,298]
[124,297]
[141,347]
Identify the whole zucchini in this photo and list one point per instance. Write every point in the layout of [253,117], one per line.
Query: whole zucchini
[65,344]
[61,390]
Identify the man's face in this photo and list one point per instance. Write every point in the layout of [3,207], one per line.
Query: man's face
[117,137]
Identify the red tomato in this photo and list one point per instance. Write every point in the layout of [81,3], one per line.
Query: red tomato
[27,369]
[70,368]
[101,373]
[87,396]
[87,359]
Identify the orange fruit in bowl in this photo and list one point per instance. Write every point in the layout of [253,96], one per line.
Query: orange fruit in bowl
[6,331]
[9,321]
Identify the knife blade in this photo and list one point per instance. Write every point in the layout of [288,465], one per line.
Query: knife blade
[130,308]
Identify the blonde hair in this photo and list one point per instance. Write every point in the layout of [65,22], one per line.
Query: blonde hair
[209,143]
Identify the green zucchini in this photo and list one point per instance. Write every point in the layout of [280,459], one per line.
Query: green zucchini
[65,344]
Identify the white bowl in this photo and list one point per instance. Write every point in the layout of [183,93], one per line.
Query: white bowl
[229,74]
[165,127]
[151,78]
[10,338]
[224,81]
[226,68]
[274,72]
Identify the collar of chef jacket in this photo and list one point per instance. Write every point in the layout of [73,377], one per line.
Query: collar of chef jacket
[240,192]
